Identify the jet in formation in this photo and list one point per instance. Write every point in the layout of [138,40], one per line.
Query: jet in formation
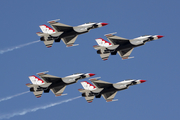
[106,89]
[56,84]
[120,45]
[67,33]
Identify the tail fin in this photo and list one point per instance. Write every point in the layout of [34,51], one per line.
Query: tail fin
[103,43]
[46,29]
[35,80]
[87,86]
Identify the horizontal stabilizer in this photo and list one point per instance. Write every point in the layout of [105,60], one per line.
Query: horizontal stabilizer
[30,85]
[49,43]
[97,47]
[40,34]
[104,56]
[83,90]
[38,93]
[89,99]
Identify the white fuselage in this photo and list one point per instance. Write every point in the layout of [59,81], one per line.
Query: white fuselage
[86,27]
[73,78]
[142,39]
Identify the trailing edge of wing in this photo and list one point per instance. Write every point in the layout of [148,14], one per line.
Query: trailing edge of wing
[125,53]
[58,90]
[109,96]
[69,41]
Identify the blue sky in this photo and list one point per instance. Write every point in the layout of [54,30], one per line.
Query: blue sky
[157,61]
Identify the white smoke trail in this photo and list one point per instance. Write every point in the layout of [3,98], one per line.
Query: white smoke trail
[17,47]
[23,112]
[10,97]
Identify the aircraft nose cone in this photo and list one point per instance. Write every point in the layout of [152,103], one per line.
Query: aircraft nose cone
[159,36]
[91,74]
[103,24]
[142,81]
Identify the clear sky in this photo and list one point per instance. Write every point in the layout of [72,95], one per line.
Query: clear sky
[157,61]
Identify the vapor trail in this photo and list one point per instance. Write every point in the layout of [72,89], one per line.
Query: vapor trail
[10,97]
[23,112]
[17,47]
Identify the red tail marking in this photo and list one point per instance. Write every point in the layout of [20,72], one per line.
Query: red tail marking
[105,41]
[90,84]
[48,27]
[38,78]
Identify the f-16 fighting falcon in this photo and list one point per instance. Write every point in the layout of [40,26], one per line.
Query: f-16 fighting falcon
[120,45]
[67,33]
[53,83]
[106,89]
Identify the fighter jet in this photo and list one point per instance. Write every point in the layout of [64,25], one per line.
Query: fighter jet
[106,89]
[120,45]
[67,33]
[53,83]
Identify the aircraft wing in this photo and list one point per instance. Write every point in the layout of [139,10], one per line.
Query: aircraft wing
[125,53]
[69,41]
[38,93]
[100,84]
[59,27]
[116,40]
[48,78]
[109,96]
[58,90]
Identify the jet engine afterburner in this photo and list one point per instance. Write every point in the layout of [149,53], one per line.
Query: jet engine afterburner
[42,39]
[99,52]
[86,94]
[32,89]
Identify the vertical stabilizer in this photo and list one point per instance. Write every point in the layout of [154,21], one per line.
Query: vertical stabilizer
[35,80]
[87,86]
[103,43]
[46,29]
